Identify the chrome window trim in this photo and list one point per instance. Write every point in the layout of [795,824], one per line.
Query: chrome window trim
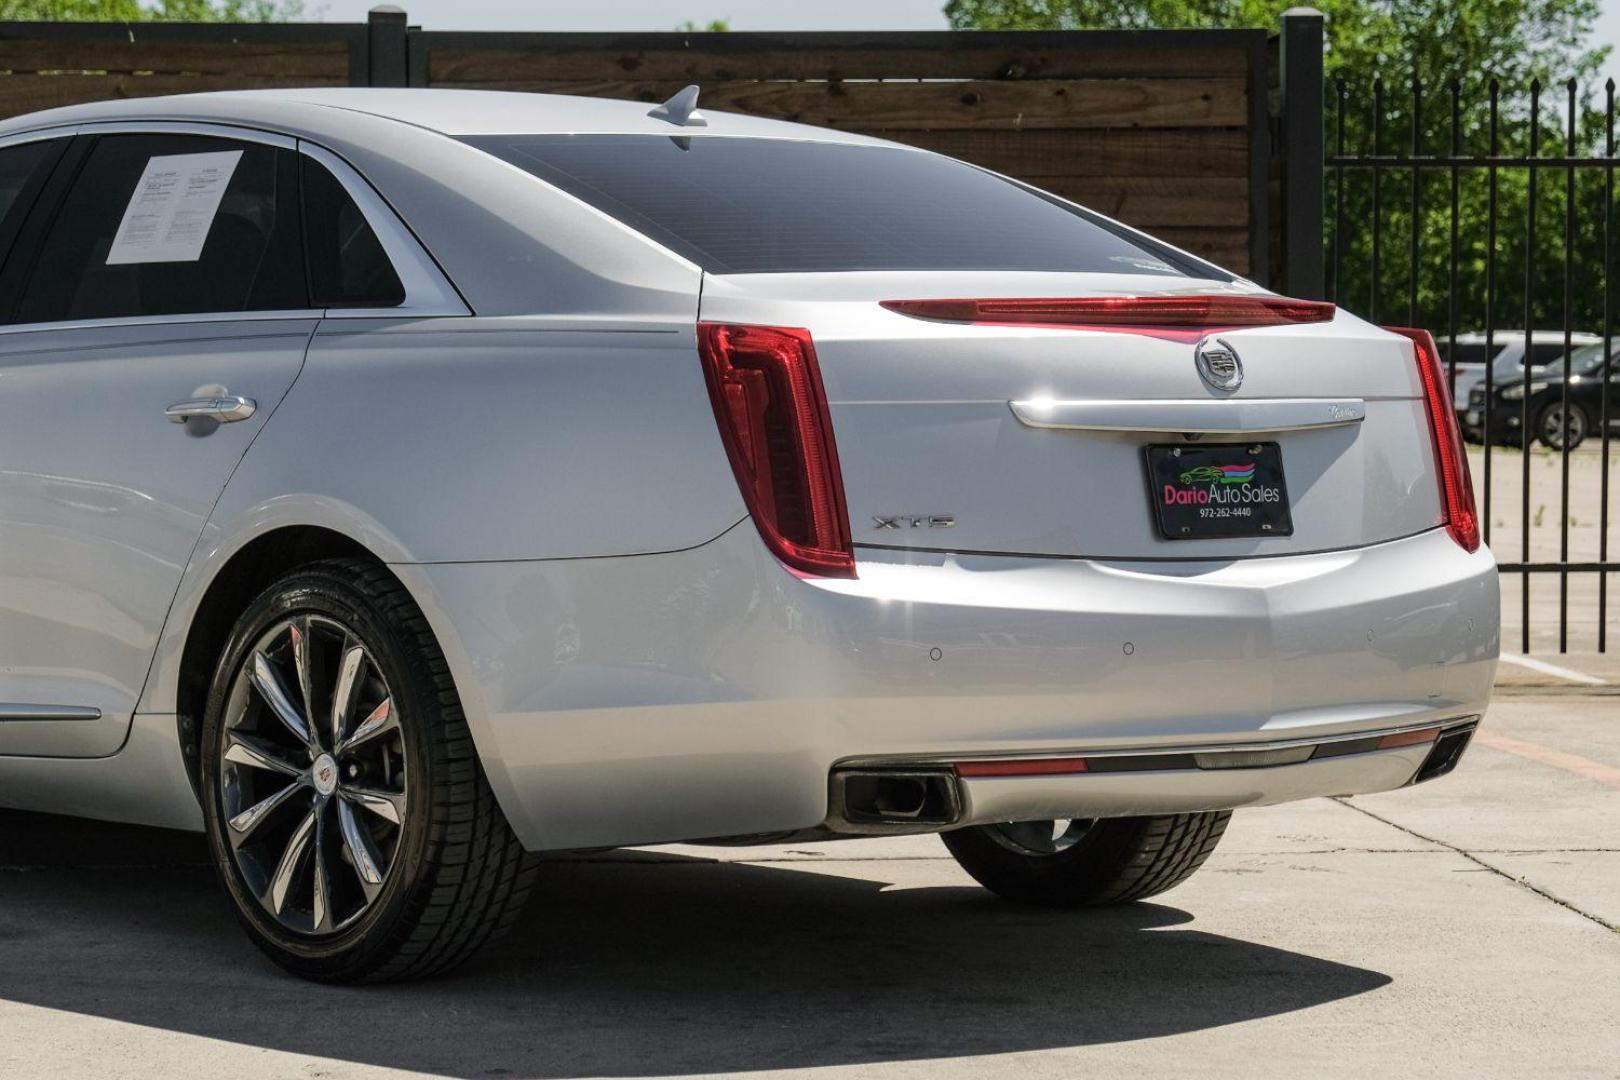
[184,127]
[21,138]
[427,291]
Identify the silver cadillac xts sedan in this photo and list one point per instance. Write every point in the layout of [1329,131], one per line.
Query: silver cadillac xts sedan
[396,484]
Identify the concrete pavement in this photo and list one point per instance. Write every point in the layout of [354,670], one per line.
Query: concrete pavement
[1465,928]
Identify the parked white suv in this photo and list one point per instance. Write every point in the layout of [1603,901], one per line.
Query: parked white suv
[1505,351]
[394,483]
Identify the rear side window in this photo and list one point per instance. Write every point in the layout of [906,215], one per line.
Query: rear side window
[745,205]
[347,264]
[1546,353]
[180,224]
[18,167]
[168,225]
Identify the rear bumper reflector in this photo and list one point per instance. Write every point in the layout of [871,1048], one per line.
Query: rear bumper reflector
[1029,767]
[1408,738]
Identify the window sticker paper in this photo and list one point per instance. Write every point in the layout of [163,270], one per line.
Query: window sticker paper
[173,208]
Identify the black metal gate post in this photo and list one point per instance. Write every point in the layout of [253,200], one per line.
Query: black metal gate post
[387,60]
[1302,105]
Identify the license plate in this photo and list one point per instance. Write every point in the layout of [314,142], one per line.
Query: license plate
[1219,490]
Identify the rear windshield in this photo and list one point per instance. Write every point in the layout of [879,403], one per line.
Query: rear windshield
[748,206]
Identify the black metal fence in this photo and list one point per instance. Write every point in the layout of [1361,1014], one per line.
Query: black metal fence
[1481,211]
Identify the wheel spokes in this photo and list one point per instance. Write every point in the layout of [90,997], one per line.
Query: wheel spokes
[348,682]
[321,902]
[270,687]
[298,634]
[243,824]
[358,843]
[297,845]
[388,805]
[333,717]
[259,753]
[379,721]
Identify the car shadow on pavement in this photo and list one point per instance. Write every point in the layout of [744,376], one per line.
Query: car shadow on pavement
[633,963]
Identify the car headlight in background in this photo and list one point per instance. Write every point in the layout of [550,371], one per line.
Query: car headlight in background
[1516,393]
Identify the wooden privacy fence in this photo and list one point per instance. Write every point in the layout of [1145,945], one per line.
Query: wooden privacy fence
[1210,139]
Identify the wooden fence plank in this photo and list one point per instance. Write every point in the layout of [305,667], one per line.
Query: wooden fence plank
[288,62]
[1035,155]
[1023,105]
[1228,248]
[712,61]
[1151,202]
[28,93]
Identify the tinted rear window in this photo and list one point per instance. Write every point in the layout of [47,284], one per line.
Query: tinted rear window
[1546,352]
[245,258]
[743,206]
[347,264]
[17,165]
[1467,353]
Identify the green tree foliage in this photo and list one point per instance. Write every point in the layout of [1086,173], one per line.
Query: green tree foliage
[713,26]
[151,10]
[1511,39]
[1373,48]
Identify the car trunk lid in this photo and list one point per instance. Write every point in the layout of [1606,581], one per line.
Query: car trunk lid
[1032,438]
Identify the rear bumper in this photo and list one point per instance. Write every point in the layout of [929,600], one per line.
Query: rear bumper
[709,693]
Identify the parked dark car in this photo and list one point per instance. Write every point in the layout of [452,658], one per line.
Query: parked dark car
[1505,349]
[1546,412]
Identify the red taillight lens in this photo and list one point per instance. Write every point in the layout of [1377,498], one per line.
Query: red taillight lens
[1456,485]
[773,419]
[1176,317]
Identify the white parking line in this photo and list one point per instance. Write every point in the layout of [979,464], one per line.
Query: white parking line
[1552,669]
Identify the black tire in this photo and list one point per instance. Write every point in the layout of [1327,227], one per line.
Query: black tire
[1549,426]
[1110,861]
[457,876]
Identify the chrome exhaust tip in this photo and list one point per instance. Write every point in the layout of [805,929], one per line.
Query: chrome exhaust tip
[887,800]
[1448,750]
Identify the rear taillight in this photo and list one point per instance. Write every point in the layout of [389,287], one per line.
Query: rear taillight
[772,412]
[1175,317]
[1456,486]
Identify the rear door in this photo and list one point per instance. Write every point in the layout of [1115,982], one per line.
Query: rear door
[164,281]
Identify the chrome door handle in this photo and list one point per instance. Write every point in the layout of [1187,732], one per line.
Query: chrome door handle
[225,409]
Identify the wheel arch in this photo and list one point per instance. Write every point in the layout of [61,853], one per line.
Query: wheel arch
[247,572]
